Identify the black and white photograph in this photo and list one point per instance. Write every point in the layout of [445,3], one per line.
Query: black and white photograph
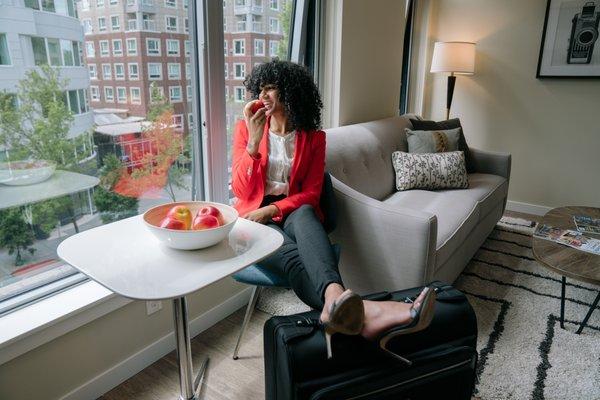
[570,45]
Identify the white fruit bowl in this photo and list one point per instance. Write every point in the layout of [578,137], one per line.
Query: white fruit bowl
[190,239]
[20,173]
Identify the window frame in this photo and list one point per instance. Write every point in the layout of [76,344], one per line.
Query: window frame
[117,78]
[107,42]
[94,67]
[178,52]
[104,28]
[171,100]
[114,51]
[107,98]
[159,78]
[256,41]
[135,51]
[242,47]
[174,77]
[119,100]
[136,76]
[139,97]
[169,28]
[112,26]
[148,40]
[106,67]
[97,90]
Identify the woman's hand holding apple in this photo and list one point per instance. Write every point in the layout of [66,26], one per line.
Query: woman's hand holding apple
[254,115]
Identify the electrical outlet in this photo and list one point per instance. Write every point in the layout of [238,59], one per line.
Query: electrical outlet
[153,306]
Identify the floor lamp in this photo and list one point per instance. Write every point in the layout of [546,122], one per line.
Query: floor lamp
[458,58]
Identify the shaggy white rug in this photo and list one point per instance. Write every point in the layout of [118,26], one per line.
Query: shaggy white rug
[523,352]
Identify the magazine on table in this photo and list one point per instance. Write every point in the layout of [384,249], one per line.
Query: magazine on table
[568,237]
[587,224]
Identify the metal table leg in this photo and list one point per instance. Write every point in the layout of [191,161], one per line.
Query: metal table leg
[188,387]
[562,302]
[589,314]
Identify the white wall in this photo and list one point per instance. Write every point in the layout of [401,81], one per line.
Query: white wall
[363,60]
[549,125]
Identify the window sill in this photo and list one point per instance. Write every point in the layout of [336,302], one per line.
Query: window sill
[45,320]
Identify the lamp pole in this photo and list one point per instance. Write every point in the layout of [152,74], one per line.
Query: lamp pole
[450,93]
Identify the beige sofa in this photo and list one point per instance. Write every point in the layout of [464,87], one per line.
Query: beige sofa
[393,240]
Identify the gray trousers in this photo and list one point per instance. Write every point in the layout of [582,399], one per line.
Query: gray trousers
[306,256]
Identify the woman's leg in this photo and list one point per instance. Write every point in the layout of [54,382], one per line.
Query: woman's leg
[287,259]
[314,248]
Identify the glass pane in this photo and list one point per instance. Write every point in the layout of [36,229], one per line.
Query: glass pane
[67,51]
[35,4]
[255,48]
[132,161]
[54,51]
[4,55]
[39,51]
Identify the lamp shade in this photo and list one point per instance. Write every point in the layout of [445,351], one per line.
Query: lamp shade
[456,57]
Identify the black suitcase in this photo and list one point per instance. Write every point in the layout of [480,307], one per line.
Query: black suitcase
[443,357]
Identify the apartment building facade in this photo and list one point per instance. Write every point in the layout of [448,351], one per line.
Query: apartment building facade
[36,32]
[132,46]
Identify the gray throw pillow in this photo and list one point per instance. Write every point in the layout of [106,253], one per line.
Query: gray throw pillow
[430,171]
[434,141]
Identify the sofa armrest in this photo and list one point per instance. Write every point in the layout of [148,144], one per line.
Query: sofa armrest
[383,247]
[488,162]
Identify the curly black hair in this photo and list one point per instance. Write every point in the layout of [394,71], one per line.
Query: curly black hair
[297,91]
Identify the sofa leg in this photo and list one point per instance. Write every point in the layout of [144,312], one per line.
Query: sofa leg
[249,310]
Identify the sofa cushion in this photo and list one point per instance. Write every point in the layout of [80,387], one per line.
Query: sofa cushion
[430,170]
[436,141]
[487,189]
[457,214]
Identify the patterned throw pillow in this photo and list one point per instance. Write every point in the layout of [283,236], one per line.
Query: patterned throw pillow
[430,170]
[435,141]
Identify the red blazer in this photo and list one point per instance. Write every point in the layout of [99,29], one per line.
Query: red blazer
[249,174]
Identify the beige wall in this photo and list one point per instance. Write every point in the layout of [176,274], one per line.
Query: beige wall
[56,368]
[549,125]
[364,57]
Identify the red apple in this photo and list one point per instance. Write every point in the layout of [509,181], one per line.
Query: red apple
[204,221]
[214,211]
[172,223]
[257,104]
[181,213]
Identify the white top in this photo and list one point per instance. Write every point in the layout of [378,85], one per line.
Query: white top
[128,259]
[281,157]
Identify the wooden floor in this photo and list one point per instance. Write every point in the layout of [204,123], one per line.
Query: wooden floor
[242,379]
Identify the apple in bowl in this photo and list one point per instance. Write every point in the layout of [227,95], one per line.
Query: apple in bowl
[169,223]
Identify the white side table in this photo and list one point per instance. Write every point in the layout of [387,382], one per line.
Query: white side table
[126,258]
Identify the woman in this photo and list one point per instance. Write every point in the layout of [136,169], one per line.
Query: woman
[277,175]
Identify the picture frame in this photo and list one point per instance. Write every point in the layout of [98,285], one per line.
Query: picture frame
[570,46]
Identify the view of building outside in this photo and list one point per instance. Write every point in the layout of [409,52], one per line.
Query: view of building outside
[95,118]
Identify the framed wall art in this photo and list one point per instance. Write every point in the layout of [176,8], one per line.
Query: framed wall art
[570,47]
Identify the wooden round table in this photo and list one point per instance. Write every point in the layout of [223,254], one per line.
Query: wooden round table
[567,261]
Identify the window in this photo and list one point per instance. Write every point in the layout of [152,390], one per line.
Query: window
[40,56]
[114,2]
[177,121]
[170,3]
[186,25]
[240,94]
[54,52]
[90,50]
[174,71]
[226,93]
[119,71]
[240,25]
[109,94]
[186,46]
[87,26]
[172,47]
[77,56]
[259,47]
[226,70]
[225,47]
[100,3]
[274,25]
[188,91]
[115,23]
[66,47]
[117,47]
[188,73]
[106,72]
[175,94]
[275,5]
[186,3]
[239,70]
[191,121]
[239,46]
[4,54]
[104,50]
[93,71]
[154,71]
[101,24]
[156,90]
[132,47]
[134,73]
[171,23]
[273,45]
[48,5]
[135,95]
[121,95]
[35,4]
[95,93]
[153,47]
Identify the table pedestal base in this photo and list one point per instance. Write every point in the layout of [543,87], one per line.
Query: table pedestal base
[188,385]
[562,308]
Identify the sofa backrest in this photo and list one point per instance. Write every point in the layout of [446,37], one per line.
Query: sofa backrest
[360,155]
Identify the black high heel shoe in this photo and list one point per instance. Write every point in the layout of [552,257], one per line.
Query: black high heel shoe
[421,318]
[347,316]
